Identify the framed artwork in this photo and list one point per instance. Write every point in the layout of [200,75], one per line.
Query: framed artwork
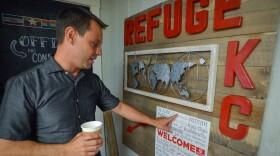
[180,75]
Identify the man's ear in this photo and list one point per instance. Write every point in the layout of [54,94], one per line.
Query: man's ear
[70,34]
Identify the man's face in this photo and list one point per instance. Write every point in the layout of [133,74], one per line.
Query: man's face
[89,46]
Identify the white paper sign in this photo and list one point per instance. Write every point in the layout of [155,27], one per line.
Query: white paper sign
[189,136]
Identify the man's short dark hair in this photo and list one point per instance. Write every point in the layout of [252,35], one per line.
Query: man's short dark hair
[76,17]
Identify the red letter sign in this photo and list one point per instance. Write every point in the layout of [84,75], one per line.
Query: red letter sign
[201,17]
[221,6]
[139,29]
[177,19]
[245,108]
[151,24]
[128,30]
[235,62]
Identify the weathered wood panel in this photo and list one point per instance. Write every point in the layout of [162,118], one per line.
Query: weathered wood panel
[110,131]
[260,76]
[263,19]
[261,56]
[148,105]
[260,19]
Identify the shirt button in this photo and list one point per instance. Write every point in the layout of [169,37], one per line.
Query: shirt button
[79,116]
[77,100]
[66,72]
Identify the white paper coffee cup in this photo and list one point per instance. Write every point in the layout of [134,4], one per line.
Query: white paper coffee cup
[92,126]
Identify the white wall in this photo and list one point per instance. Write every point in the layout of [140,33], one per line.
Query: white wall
[113,12]
[270,138]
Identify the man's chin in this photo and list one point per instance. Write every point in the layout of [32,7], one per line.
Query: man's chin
[90,64]
[89,67]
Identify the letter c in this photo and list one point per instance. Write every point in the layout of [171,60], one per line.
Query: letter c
[245,108]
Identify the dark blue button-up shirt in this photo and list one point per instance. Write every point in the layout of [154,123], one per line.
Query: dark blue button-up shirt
[46,104]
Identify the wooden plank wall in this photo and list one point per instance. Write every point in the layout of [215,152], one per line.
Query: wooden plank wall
[259,22]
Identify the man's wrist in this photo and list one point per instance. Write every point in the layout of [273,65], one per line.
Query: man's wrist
[61,149]
[152,121]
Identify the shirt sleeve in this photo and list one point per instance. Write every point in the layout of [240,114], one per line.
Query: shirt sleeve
[16,112]
[107,101]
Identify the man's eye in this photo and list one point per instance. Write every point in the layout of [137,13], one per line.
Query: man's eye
[93,45]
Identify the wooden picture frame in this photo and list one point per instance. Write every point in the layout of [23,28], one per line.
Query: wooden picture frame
[213,49]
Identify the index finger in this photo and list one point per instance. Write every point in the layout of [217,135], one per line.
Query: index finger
[173,117]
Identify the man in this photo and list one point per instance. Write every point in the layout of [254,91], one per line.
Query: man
[43,107]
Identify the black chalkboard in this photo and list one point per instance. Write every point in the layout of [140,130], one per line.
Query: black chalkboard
[27,34]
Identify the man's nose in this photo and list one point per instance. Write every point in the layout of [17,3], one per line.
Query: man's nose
[98,51]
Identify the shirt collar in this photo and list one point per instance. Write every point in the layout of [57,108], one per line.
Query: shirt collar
[52,66]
